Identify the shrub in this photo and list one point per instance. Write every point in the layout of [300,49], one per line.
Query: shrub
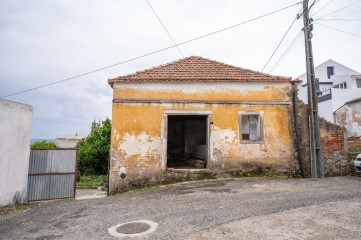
[43,145]
[93,154]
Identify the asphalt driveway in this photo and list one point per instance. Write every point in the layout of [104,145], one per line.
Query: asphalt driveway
[240,209]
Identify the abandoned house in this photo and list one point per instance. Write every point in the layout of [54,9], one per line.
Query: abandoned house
[348,116]
[197,115]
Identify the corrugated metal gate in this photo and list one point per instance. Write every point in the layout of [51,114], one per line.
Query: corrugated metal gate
[52,174]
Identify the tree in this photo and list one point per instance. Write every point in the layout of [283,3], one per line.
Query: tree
[93,154]
[43,145]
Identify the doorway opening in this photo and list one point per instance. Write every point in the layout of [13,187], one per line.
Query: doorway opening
[187,141]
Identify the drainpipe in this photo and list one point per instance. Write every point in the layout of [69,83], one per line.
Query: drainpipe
[300,162]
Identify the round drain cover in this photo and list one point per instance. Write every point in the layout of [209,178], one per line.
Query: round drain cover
[133,229]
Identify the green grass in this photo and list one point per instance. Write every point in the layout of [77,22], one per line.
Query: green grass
[92,181]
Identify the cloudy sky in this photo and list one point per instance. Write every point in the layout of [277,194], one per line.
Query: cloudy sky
[46,41]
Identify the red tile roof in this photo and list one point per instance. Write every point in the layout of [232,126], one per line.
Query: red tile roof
[353,100]
[197,69]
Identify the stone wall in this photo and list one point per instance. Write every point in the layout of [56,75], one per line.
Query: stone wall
[336,160]
[354,143]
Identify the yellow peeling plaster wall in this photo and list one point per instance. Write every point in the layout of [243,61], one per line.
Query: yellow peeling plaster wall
[136,143]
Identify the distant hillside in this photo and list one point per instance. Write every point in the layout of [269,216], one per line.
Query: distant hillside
[35,140]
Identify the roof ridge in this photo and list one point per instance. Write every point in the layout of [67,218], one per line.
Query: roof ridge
[152,68]
[242,68]
[197,68]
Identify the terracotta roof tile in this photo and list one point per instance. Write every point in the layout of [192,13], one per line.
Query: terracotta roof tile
[353,100]
[197,69]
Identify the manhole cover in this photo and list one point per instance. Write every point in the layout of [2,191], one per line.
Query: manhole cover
[133,229]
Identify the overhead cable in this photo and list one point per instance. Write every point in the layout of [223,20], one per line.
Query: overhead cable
[279,44]
[154,52]
[338,10]
[336,29]
[286,52]
[321,8]
[338,19]
[165,29]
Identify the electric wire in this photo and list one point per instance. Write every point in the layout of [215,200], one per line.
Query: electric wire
[284,36]
[314,2]
[336,29]
[154,52]
[165,29]
[338,10]
[279,44]
[321,8]
[338,19]
[286,52]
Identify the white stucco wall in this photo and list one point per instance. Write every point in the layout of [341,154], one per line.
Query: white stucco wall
[349,117]
[67,141]
[325,110]
[321,71]
[339,98]
[15,134]
[346,78]
[342,74]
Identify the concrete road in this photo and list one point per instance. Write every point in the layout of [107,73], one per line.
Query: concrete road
[240,209]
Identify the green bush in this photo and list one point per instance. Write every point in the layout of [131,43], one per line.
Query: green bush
[43,145]
[93,154]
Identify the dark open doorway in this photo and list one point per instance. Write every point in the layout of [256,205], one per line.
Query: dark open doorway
[187,141]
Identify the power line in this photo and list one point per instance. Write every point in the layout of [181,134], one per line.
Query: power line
[285,53]
[279,44]
[154,52]
[289,28]
[353,34]
[323,7]
[314,2]
[338,19]
[165,29]
[338,10]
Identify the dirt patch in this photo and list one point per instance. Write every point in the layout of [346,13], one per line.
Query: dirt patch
[13,209]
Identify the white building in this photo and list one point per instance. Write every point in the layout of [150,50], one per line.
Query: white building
[336,84]
[67,141]
[15,133]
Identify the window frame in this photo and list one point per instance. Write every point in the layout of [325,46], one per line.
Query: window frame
[259,114]
[330,73]
[358,82]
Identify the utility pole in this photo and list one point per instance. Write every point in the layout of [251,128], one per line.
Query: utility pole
[314,122]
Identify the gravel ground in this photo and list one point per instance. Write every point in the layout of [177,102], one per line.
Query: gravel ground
[241,209]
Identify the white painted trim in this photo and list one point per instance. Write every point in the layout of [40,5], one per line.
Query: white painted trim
[250,112]
[198,87]
[164,137]
[203,102]
[113,230]
[261,125]
[164,131]
[187,112]
[208,139]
